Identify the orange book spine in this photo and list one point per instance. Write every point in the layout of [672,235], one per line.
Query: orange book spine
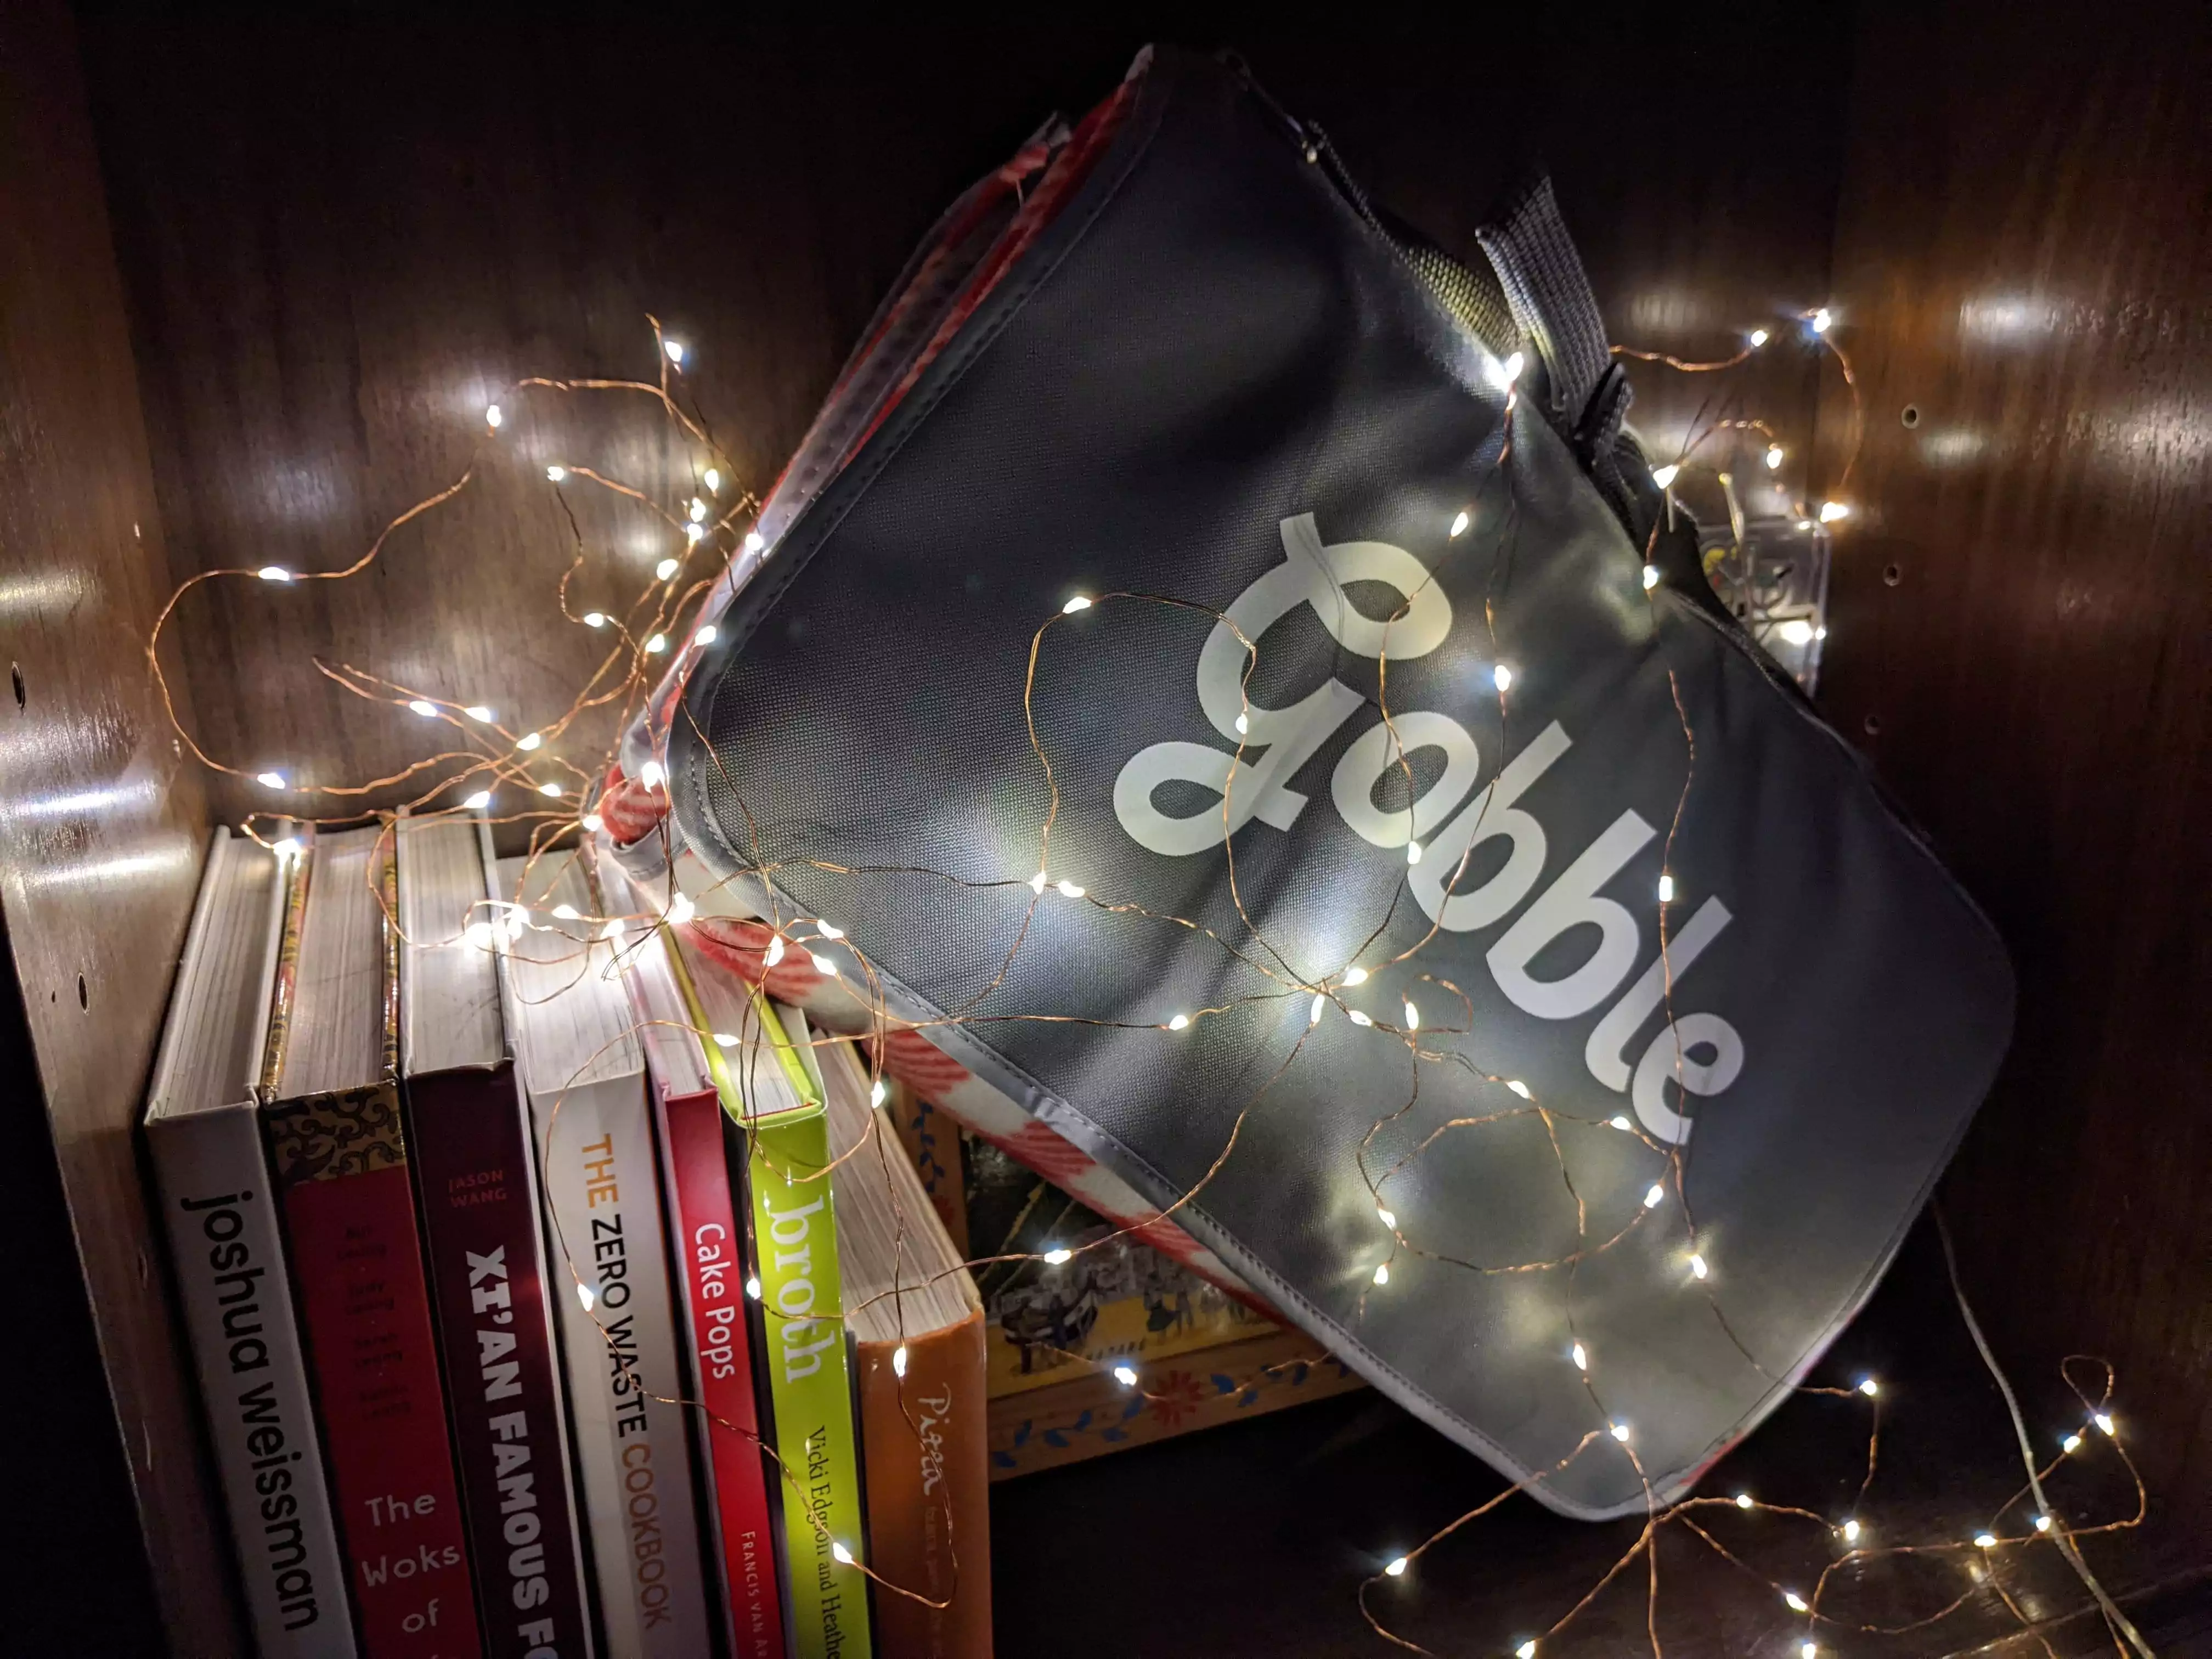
[927,1457]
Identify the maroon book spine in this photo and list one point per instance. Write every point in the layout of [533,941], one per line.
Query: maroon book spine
[487,1270]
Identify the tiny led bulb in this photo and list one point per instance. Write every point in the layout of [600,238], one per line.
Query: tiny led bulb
[565,913]
[1808,1649]
[675,350]
[1850,1532]
[681,909]
[705,636]
[1666,890]
[1460,522]
[529,740]
[650,774]
[713,479]
[2104,1421]
[1797,631]
[898,1360]
[1388,1218]
[492,417]
[774,953]
[1654,1197]
[1412,852]
[726,1040]
[1619,1121]
[1412,1018]
[587,1295]
[1069,890]
[1774,458]
[823,964]
[595,619]
[844,1556]
[1985,1540]
[1664,475]
[2072,1443]
[755,541]
[1620,1433]
[698,510]
[478,713]
[425,707]
[1382,1274]
[556,473]
[1126,1376]
[828,929]
[477,802]
[1396,1569]
[1057,1254]
[1079,603]
[1697,1266]
[1243,726]
[1502,677]
[2043,1523]
[1580,1357]
[1038,882]
[666,569]
[1319,1006]
[1519,1088]
[1651,577]
[1179,1022]
[552,789]
[1794,1601]
[480,935]
[269,779]
[1358,1018]
[692,532]
[288,847]
[1868,1386]
[1822,320]
[1832,511]
[753,1288]
[614,933]
[878,1092]
[1355,977]
[1526,1651]
[656,645]
[1759,338]
[274,573]
[592,821]
[1743,1500]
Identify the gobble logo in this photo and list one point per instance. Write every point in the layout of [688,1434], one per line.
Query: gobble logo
[1702,1052]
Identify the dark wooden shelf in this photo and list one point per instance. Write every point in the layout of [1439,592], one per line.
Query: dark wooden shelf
[252,266]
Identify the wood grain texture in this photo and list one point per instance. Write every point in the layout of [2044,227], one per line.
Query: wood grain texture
[100,828]
[340,237]
[2022,641]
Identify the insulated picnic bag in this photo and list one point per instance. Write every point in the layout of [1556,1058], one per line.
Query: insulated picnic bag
[1320,863]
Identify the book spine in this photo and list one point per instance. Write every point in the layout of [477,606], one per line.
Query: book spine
[804,1348]
[480,1222]
[702,1214]
[224,1239]
[809,1385]
[926,1437]
[608,1260]
[341,1162]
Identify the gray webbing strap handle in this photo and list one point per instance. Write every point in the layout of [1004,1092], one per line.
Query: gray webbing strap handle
[1553,304]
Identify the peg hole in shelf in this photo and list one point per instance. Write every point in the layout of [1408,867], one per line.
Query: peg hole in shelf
[1891,574]
[15,674]
[1873,724]
[1910,415]
[83,994]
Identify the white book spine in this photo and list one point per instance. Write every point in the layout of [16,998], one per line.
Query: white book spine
[604,1190]
[223,1236]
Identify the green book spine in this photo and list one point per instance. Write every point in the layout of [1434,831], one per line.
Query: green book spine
[810,1379]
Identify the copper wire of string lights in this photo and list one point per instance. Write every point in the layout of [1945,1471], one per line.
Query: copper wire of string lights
[483,756]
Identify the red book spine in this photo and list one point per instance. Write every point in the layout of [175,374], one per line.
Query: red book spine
[480,1218]
[703,1222]
[341,1161]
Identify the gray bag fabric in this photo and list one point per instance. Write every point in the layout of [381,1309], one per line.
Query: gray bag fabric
[1214,376]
